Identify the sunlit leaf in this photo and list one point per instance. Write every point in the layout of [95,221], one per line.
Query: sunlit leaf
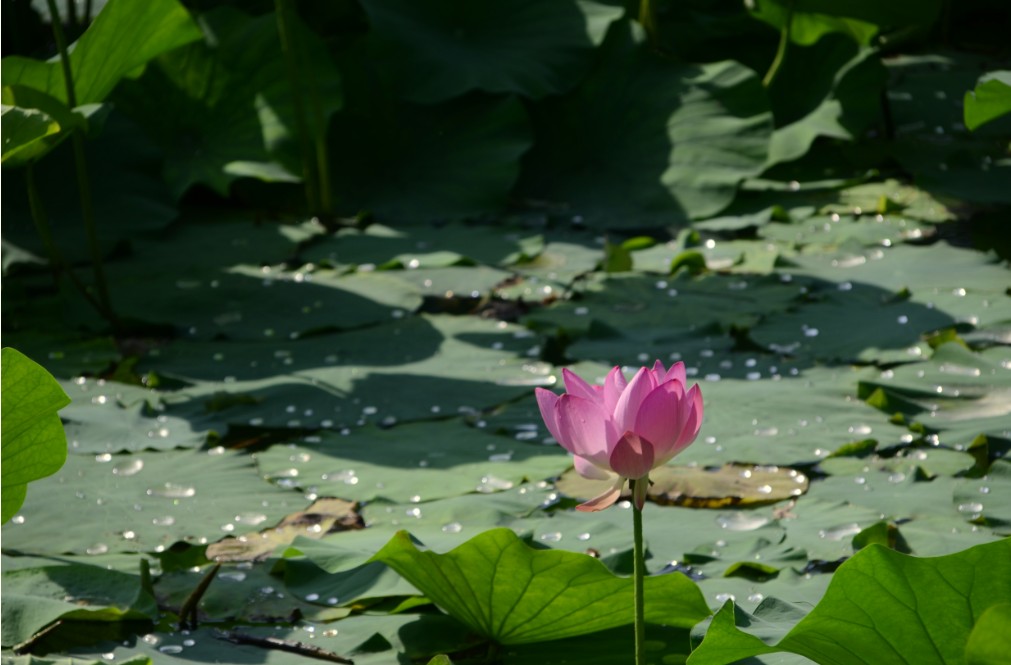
[122,38]
[503,589]
[990,99]
[34,443]
[874,598]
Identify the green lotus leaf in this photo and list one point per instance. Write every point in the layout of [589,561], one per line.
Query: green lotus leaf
[503,589]
[647,141]
[438,50]
[883,607]
[34,443]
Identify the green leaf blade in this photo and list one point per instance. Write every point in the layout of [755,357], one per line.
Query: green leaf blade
[991,99]
[34,444]
[123,37]
[886,607]
[513,594]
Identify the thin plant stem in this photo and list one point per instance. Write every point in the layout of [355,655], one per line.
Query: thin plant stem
[638,575]
[80,163]
[291,67]
[784,41]
[647,19]
[322,153]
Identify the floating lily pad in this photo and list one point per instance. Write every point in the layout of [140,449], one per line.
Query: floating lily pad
[105,427]
[695,487]
[146,501]
[823,328]
[957,393]
[461,365]
[421,461]
[36,597]
[250,594]
[425,247]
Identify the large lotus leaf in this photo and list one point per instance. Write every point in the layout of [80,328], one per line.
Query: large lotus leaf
[933,516]
[889,197]
[989,100]
[247,594]
[127,193]
[931,140]
[966,285]
[36,597]
[418,462]
[367,639]
[811,97]
[425,247]
[30,133]
[604,648]
[905,463]
[787,421]
[564,260]
[647,141]
[34,443]
[122,38]
[146,501]
[636,318]
[369,582]
[442,523]
[895,495]
[458,288]
[987,497]
[245,302]
[768,623]
[833,231]
[419,163]
[213,280]
[725,256]
[874,598]
[809,20]
[223,107]
[438,49]
[823,329]
[958,393]
[936,535]
[990,639]
[503,589]
[454,364]
[103,426]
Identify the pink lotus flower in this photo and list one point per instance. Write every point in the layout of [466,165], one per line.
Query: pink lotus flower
[624,429]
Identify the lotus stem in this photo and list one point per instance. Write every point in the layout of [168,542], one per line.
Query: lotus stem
[638,575]
[784,41]
[81,166]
